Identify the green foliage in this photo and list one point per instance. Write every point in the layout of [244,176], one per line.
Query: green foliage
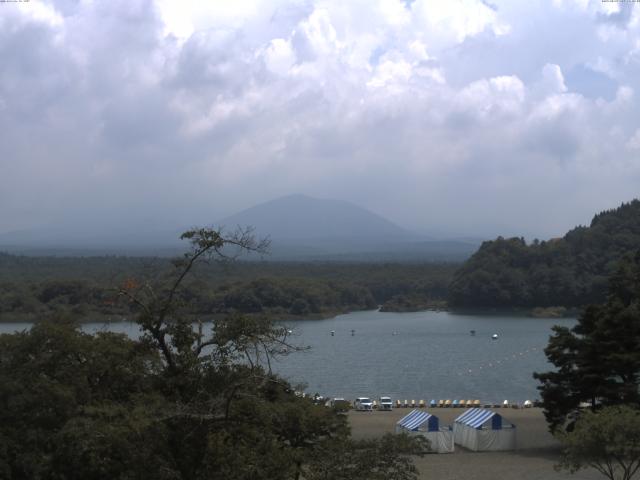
[179,403]
[598,360]
[569,271]
[607,440]
[388,458]
[35,287]
[50,376]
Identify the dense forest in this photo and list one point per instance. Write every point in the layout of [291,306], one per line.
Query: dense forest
[34,287]
[176,403]
[570,271]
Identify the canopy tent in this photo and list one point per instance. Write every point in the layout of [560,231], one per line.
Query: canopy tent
[419,422]
[483,430]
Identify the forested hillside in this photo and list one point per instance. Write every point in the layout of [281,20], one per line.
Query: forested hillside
[34,287]
[569,271]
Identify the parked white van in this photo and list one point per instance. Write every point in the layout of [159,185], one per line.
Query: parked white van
[385,403]
[363,404]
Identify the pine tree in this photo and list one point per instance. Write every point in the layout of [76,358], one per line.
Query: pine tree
[598,360]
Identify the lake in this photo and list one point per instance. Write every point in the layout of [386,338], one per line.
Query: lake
[431,356]
[422,355]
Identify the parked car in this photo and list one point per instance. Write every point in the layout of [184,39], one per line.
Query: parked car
[385,403]
[363,404]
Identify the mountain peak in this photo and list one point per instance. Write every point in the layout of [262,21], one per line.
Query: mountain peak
[299,216]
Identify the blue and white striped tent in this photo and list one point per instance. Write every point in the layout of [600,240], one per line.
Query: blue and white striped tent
[483,430]
[419,420]
[422,423]
[476,417]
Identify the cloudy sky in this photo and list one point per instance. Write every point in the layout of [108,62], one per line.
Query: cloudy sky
[457,117]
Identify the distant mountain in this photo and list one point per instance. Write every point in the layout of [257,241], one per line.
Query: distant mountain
[301,228]
[570,271]
[305,228]
[297,217]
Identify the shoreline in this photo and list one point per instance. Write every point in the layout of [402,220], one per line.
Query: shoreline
[525,312]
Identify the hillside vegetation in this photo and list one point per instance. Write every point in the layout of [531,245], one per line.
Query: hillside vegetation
[34,287]
[571,271]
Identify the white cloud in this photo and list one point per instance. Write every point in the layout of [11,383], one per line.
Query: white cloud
[185,17]
[389,73]
[556,105]
[321,33]
[280,56]
[392,104]
[394,11]
[553,79]
[41,12]
[454,21]
[419,50]
[493,97]
[634,142]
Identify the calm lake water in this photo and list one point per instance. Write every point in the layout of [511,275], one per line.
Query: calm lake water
[423,355]
[431,356]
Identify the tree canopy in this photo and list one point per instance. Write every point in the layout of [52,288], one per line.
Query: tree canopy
[571,271]
[598,360]
[608,441]
[32,288]
[184,401]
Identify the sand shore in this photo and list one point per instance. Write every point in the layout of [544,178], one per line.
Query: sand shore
[536,454]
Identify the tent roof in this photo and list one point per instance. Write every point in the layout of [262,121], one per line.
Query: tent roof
[476,417]
[415,419]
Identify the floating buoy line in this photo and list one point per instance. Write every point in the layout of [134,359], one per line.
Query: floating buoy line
[499,361]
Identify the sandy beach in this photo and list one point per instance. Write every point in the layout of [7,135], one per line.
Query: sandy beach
[534,458]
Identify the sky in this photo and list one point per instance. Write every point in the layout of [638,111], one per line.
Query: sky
[465,117]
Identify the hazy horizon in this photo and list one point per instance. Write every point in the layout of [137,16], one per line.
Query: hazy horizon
[279,227]
[449,119]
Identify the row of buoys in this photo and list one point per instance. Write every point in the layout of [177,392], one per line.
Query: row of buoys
[458,404]
[353,332]
[499,362]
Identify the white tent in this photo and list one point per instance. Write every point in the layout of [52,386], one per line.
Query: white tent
[483,430]
[424,424]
